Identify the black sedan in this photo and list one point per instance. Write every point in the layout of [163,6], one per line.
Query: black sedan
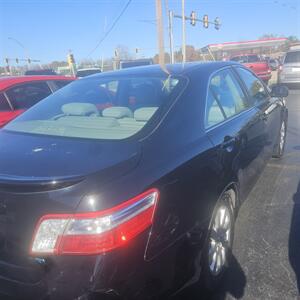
[127,184]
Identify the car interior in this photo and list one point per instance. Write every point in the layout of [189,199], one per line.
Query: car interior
[104,112]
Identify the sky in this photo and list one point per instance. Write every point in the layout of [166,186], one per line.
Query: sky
[48,29]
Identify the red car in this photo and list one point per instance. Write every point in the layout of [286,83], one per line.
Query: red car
[21,92]
[259,67]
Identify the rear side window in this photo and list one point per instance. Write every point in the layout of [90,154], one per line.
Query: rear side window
[225,99]
[4,106]
[26,95]
[240,59]
[256,89]
[292,57]
[214,113]
[253,58]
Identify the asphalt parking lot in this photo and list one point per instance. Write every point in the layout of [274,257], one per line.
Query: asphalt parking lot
[266,262]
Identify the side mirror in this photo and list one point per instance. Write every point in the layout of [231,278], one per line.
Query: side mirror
[279,90]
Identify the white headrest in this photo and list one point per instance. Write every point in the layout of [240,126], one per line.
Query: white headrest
[117,112]
[80,109]
[144,113]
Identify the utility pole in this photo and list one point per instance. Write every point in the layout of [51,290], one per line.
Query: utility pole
[160,35]
[183,31]
[171,40]
[102,63]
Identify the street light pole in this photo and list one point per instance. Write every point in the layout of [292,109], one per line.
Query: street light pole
[171,36]
[183,30]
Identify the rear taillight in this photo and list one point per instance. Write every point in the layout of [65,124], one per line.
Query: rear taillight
[94,232]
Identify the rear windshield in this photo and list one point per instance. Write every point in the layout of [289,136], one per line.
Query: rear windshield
[100,108]
[253,58]
[292,57]
[245,59]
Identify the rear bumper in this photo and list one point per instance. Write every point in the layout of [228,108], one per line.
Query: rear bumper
[123,272]
[63,278]
[288,80]
[77,277]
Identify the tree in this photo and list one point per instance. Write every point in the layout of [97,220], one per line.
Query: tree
[191,53]
[269,36]
[293,39]
[55,64]
[167,58]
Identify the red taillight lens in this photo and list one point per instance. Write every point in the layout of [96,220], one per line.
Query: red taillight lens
[95,232]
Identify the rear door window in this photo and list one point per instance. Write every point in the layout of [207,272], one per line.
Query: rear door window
[4,106]
[26,95]
[255,87]
[225,98]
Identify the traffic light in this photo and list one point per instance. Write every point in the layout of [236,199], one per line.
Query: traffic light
[217,23]
[205,21]
[29,60]
[136,50]
[71,59]
[193,18]
[7,60]
[17,60]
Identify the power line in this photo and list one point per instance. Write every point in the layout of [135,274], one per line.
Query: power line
[111,27]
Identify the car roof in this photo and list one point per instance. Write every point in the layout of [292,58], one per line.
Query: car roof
[174,69]
[88,69]
[245,54]
[8,81]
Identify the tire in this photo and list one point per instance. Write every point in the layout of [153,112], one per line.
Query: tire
[218,241]
[280,145]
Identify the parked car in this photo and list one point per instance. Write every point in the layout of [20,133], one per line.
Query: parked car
[87,71]
[124,64]
[40,72]
[290,70]
[274,64]
[19,93]
[252,61]
[137,200]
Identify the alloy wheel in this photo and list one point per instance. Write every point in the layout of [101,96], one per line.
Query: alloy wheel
[219,240]
[282,137]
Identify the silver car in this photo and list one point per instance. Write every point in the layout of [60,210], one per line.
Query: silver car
[290,72]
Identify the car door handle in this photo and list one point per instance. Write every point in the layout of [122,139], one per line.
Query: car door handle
[228,143]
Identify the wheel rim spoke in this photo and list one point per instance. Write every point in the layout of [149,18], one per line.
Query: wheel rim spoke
[219,241]
[282,136]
